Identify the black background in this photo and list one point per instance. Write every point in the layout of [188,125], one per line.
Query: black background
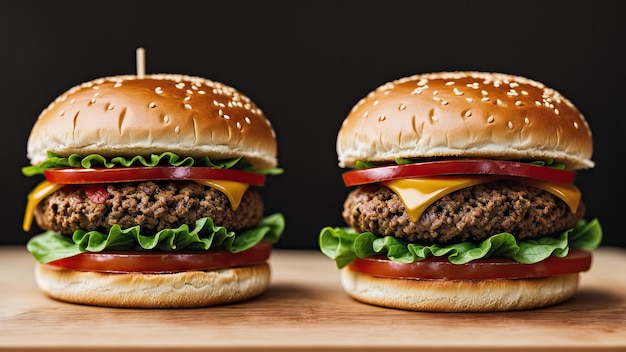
[305,64]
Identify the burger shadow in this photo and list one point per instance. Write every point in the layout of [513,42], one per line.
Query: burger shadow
[284,292]
[606,306]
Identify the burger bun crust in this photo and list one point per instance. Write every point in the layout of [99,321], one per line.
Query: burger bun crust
[191,289]
[128,116]
[465,115]
[459,295]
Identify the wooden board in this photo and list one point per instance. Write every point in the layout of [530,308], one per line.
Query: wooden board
[306,308]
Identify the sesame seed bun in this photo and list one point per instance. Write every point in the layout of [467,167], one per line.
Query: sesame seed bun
[128,116]
[465,114]
[459,295]
[189,289]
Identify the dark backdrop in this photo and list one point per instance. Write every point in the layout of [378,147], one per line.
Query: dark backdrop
[306,63]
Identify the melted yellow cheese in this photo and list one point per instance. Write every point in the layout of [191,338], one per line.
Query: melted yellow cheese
[34,197]
[233,190]
[420,192]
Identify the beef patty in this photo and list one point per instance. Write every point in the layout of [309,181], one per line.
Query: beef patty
[151,205]
[470,214]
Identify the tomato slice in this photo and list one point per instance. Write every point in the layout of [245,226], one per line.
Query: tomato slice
[160,262]
[139,173]
[480,269]
[456,167]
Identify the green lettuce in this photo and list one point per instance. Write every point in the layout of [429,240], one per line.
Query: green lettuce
[50,246]
[167,158]
[345,245]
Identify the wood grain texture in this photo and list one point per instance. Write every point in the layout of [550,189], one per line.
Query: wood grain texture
[305,308]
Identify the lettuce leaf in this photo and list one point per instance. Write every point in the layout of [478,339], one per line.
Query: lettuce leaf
[50,246]
[166,158]
[344,245]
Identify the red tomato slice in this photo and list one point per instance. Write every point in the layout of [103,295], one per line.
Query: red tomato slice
[480,269]
[456,167]
[129,174]
[158,262]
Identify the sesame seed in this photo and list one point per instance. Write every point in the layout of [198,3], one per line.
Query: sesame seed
[518,103]
[187,106]
[61,113]
[187,99]
[510,125]
[166,119]
[180,85]
[575,125]
[401,107]
[490,119]
[158,90]
[152,105]
[375,102]
[450,83]
[189,91]
[365,114]
[434,118]
[239,125]
[226,117]
[467,113]
[72,101]
[526,121]
[556,111]
[499,102]
[177,129]
[469,100]
[457,91]
[382,118]
[117,84]
[435,92]
[247,119]
[110,107]
[484,99]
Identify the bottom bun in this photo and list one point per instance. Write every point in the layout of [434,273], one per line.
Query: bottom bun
[459,295]
[138,290]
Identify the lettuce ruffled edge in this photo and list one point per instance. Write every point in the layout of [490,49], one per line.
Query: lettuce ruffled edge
[205,235]
[167,158]
[344,245]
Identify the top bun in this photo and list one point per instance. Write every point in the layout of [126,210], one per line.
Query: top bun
[128,116]
[465,114]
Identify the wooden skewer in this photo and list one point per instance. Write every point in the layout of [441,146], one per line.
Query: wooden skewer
[141,64]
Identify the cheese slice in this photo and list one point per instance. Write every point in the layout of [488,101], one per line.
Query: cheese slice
[419,193]
[42,190]
[233,190]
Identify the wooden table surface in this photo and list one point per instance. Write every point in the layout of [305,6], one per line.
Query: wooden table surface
[305,308]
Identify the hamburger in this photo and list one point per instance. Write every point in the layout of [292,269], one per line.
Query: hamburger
[149,197]
[461,195]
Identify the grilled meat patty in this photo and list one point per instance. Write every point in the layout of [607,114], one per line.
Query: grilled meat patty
[151,205]
[470,214]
